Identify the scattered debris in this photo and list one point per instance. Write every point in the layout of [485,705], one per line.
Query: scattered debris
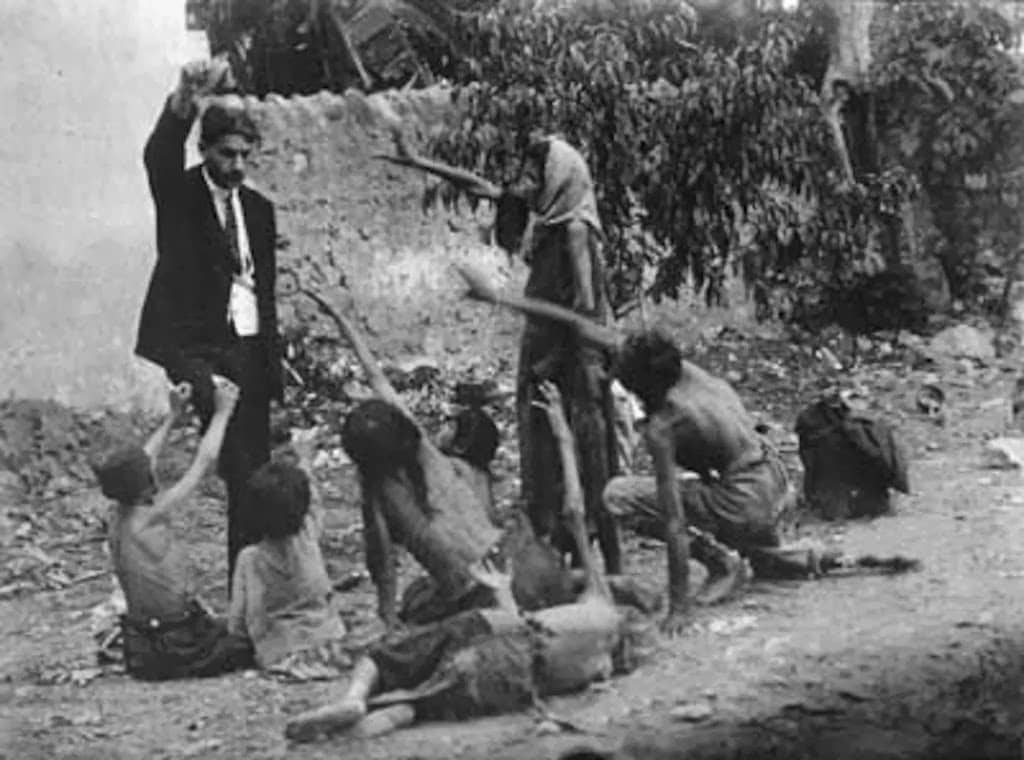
[201,748]
[1004,453]
[930,401]
[62,674]
[963,342]
[730,626]
[691,712]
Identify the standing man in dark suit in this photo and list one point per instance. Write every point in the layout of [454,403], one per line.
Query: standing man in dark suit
[210,305]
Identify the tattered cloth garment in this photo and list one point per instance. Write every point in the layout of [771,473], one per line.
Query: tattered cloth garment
[850,460]
[196,645]
[550,351]
[458,668]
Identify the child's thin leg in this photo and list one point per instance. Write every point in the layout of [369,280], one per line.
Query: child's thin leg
[339,715]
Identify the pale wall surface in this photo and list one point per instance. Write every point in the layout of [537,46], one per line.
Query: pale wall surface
[81,82]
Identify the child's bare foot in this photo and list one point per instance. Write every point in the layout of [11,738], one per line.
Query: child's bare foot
[324,721]
[726,578]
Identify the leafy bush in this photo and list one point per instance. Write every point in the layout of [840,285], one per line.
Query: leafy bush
[707,158]
[707,146]
[947,113]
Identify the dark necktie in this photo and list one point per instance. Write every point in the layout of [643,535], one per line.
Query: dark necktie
[231,230]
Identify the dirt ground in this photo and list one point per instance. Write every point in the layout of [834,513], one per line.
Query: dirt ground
[920,665]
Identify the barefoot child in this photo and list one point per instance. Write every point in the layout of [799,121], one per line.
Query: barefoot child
[492,660]
[281,598]
[167,633]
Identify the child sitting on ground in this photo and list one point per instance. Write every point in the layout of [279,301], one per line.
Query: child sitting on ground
[281,597]
[166,632]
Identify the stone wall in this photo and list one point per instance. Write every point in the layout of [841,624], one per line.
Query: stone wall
[335,200]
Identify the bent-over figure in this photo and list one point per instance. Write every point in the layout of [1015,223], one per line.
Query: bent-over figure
[494,659]
[696,422]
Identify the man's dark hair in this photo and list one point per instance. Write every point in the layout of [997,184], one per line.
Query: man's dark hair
[383,441]
[648,365]
[279,494]
[124,472]
[218,120]
[476,438]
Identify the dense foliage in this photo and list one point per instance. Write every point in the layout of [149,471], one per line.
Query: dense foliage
[299,46]
[710,153]
[947,113]
[707,157]
[705,135]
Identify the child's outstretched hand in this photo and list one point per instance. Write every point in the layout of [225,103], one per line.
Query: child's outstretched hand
[552,405]
[225,394]
[303,442]
[178,398]
[487,575]
[480,287]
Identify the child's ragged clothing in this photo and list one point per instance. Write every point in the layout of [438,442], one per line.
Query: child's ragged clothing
[166,632]
[281,596]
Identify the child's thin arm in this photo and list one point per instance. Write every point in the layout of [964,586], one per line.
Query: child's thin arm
[178,397]
[225,395]
[380,560]
[304,445]
[587,329]
[374,374]
[468,181]
[236,611]
[573,504]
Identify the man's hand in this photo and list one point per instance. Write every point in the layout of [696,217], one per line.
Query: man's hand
[225,394]
[200,79]
[480,287]
[178,398]
[552,405]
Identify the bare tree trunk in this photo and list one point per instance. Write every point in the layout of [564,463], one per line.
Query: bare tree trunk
[846,85]
[350,50]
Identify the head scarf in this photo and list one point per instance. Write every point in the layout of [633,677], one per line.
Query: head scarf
[567,192]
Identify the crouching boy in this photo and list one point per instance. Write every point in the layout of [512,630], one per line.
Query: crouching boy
[166,632]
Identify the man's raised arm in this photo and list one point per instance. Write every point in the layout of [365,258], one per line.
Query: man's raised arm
[587,329]
[164,155]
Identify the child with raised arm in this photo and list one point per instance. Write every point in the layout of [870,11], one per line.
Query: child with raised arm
[167,632]
[281,597]
[493,659]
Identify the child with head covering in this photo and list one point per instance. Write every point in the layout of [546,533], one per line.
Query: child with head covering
[166,632]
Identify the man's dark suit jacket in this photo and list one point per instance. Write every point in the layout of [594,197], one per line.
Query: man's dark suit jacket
[184,327]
